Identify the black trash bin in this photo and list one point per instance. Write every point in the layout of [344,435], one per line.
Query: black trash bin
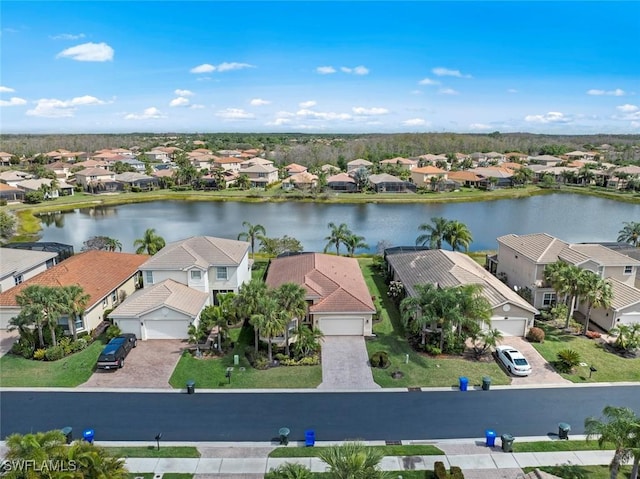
[284,435]
[68,434]
[486,383]
[191,387]
[507,442]
[563,430]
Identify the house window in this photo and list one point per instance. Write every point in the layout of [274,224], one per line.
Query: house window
[548,299]
[105,302]
[221,272]
[628,269]
[114,297]
[18,279]
[196,274]
[148,277]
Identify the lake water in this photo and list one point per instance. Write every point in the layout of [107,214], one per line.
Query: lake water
[573,218]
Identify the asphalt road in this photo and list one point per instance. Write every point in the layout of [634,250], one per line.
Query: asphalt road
[119,416]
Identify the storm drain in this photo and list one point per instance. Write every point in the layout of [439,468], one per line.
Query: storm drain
[393,443]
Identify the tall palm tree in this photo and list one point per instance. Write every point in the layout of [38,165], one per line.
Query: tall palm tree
[213,316]
[353,460]
[475,309]
[37,447]
[635,450]
[353,242]
[30,301]
[615,429]
[247,301]
[630,233]
[596,292]
[75,301]
[337,236]
[53,304]
[113,244]
[253,232]
[270,323]
[95,462]
[307,340]
[150,243]
[457,234]
[435,233]
[292,303]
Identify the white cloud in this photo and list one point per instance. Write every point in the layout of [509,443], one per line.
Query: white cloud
[235,114]
[6,89]
[616,92]
[180,101]
[479,126]
[445,72]
[196,106]
[428,81]
[448,91]
[317,115]
[359,110]
[151,113]
[307,104]
[88,52]
[512,90]
[13,101]
[183,92]
[415,122]
[68,36]
[259,102]
[54,108]
[627,108]
[325,70]
[285,114]
[550,117]
[279,122]
[227,67]
[359,70]
[204,68]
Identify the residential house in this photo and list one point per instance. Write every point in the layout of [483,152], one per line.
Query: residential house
[227,164]
[11,194]
[357,164]
[341,182]
[137,165]
[294,169]
[496,158]
[580,155]
[158,156]
[421,177]
[5,158]
[18,265]
[510,313]
[465,178]
[329,169]
[45,184]
[106,277]
[404,163]
[89,163]
[431,159]
[385,183]
[494,177]
[137,180]
[61,169]
[547,160]
[255,161]
[301,181]
[97,179]
[260,175]
[339,301]
[13,177]
[230,153]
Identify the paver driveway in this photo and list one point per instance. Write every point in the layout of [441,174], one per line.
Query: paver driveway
[541,371]
[7,338]
[345,364]
[149,365]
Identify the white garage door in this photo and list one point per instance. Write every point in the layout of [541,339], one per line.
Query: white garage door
[510,327]
[166,329]
[342,326]
[130,326]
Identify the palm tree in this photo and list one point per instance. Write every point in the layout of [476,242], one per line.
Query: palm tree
[271,322]
[37,447]
[94,462]
[53,305]
[353,460]
[435,233]
[214,317]
[75,301]
[30,302]
[457,235]
[290,470]
[635,450]
[113,244]
[475,309]
[292,303]
[615,429]
[307,340]
[353,242]
[523,175]
[248,300]
[630,233]
[568,280]
[253,232]
[597,292]
[338,236]
[150,242]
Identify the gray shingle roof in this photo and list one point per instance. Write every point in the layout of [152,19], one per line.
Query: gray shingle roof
[450,269]
[623,294]
[16,261]
[538,247]
[601,254]
[168,293]
[200,251]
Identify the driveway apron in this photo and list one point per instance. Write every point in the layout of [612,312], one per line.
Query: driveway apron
[541,371]
[7,338]
[345,364]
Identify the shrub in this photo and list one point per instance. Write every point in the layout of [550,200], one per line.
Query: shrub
[65,344]
[79,345]
[567,359]
[280,357]
[261,363]
[593,334]
[23,348]
[456,473]
[439,470]
[113,331]
[432,350]
[536,335]
[38,354]
[54,353]
[380,359]
[289,470]
[309,361]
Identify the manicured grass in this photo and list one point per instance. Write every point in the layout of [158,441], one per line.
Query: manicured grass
[210,373]
[582,472]
[415,474]
[71,371]
[152,451]
[410,450]
[420,370]
[259,268]
[611,367]
[177,475]
[559,445]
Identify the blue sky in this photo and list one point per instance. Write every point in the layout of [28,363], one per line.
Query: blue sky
[333,67]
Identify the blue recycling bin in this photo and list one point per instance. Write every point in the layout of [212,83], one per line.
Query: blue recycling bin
[87,435]
[490,436]
[464,383]
[309,438]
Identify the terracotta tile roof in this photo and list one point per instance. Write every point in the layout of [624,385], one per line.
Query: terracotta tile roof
[463,176]
[511,165]
[5,187]
[398,161]
[335,283]
[340,178]
[98,272]
[295,168]
[429,170]
[94,172]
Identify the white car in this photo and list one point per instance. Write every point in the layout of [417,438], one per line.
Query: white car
[513,360]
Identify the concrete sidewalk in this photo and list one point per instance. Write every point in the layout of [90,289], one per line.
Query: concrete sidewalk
[251,461]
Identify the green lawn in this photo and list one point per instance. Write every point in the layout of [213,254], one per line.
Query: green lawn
[421,370]
[611,368]
[16,371]
[582,472]
[210,373]
[152,451]
[410,450]
[560,445]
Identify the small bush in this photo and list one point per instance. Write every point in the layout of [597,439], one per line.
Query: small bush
[38,354]
[113,331]
[79,345]
[536,335]
[309,361]
[380,359]
[567,359]
[456,473]
[439,470]
[432,350]
[54,353]
[280,357]
[65,344]
[23,348]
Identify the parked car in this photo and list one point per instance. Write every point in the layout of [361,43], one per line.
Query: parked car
[513,360]
[113,354]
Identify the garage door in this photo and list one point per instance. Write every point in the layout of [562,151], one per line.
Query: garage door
[130,326]
[510,327]
[166,329]
[342,326]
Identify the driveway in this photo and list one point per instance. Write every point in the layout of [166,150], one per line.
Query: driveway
[541,371]
[7,338]
[345,364]
[149,365]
